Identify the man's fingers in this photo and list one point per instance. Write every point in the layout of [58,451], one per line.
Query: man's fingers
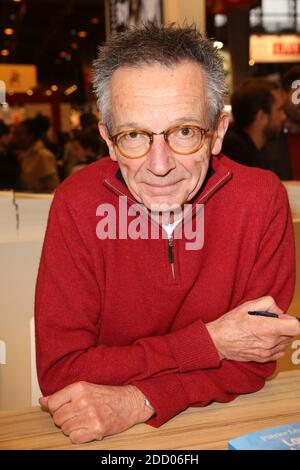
[266,354]
[86,412]
[284,325]
[80,430]
[278,356]
[285,343]
[278,349]
[63,414]
[274,353]
[60,398]
[266,303]
[285,316]
[73,424]
[43,401]
[79,436]
[282,342]
[288,326]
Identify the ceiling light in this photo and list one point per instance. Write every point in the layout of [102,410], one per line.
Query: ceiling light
[48,92]
[29,92]
[218,44]
[251,62]
[227,108]
[71,90]
[17,1]
[82,34]
[9,31]
[54,87]
[65,55]
[5,52]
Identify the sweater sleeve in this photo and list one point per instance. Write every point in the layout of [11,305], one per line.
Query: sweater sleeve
[68,315]
[273,274]
[171,394]
[274,270]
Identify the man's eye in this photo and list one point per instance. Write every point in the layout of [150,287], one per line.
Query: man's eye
[186,131]
[133,135]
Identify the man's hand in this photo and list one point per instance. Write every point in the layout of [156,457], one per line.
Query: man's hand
[242,337]
[87,412]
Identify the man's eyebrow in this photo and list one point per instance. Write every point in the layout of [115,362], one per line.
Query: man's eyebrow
[181,120]
[129,125]
[187,120]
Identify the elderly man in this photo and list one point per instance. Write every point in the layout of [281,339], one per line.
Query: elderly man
[133,328]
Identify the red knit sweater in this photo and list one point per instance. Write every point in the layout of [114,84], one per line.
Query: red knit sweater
[110,311]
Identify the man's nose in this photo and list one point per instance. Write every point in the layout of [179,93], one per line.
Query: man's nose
[160,160]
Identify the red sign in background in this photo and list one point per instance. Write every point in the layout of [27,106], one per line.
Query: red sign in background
[221,6]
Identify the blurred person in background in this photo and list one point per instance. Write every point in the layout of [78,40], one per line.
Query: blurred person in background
[90,137]
[285,148]
[38,171]
[291,84]
[88,121]
[87,148]
[85,145]
[9,169]
[258,113]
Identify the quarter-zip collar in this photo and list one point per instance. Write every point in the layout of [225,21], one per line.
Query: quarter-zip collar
[218,174]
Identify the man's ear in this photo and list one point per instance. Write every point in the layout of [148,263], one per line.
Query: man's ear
[219,133]
[261,118]
[105,136]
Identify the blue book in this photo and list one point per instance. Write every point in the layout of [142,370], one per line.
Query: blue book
[285,437]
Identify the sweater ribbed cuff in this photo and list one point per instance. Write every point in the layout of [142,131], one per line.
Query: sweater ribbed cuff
[193,348]
[167,396]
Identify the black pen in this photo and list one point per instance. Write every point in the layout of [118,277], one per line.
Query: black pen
[264,313]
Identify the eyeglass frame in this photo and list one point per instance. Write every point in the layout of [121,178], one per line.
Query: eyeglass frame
[165,133]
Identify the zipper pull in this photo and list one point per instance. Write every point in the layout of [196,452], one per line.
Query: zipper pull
[171,254]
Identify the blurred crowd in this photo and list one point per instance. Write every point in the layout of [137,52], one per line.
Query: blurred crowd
[265,130]
[30,161]
[265,133]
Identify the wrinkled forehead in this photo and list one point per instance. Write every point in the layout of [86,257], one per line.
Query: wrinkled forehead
[146,75]
[161,88]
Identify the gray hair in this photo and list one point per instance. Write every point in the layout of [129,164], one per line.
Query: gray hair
[166,45]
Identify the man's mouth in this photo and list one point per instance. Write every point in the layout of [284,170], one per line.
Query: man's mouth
[163,186]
